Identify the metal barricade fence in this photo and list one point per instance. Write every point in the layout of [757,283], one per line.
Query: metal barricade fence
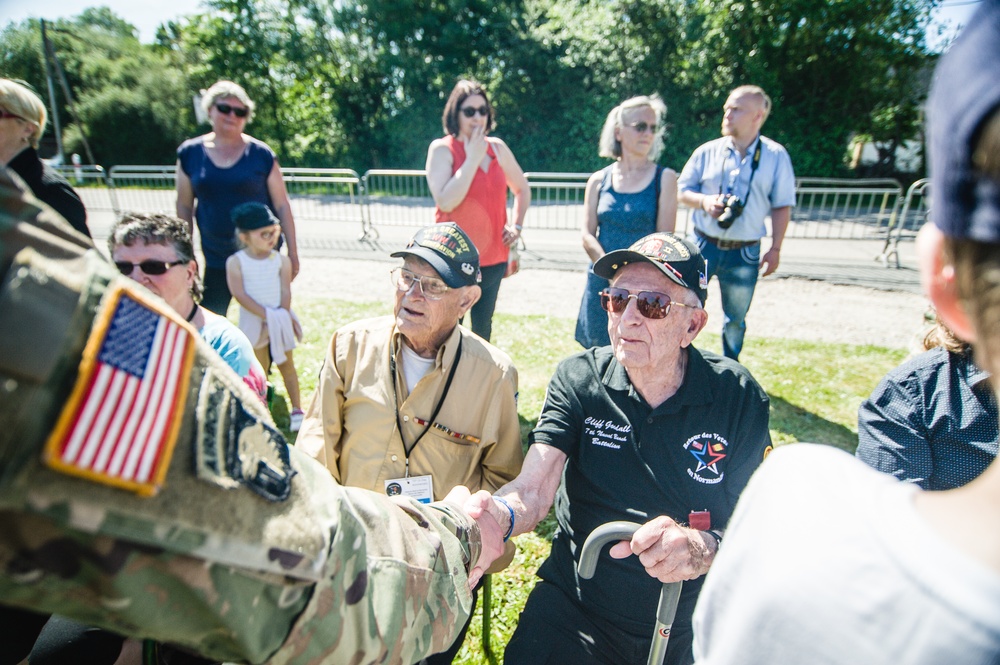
[401,197]
[326,195]
[826,207]
[841,209]
[556,200]
[91,183]
[911,217]
[395,197]
[143,189]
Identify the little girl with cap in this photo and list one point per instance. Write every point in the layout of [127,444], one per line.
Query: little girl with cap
[260,278]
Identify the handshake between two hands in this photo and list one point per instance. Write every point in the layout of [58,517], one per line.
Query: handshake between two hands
[668,551]
[481,507]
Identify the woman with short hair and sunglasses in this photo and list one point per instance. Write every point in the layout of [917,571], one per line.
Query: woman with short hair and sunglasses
[156,251]
[221,170]
[468,173]
[625,201]
[22,123]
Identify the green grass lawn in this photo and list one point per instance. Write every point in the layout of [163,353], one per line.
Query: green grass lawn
[815,391]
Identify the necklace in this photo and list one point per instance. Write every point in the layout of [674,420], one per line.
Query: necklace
[194,310]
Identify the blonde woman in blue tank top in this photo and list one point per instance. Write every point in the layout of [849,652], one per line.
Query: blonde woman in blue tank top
[625,201]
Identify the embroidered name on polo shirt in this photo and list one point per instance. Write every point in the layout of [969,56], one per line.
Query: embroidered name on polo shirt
[606,433]
[708,450]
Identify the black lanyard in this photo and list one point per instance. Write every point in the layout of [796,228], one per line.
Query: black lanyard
[753,171]
[437,408]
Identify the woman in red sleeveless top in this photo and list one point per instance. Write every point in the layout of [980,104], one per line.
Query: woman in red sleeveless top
[468,174]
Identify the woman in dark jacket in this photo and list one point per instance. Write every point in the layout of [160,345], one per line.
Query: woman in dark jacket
[22,122]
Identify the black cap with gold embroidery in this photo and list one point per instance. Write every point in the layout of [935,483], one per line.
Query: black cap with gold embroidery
[677,258]
[449,251]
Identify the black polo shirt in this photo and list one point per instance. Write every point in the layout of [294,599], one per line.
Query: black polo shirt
[627,461]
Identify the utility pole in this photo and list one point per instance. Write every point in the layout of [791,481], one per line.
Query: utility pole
[71,103]
[56,127]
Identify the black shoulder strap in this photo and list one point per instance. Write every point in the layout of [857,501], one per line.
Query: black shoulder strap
[656,202]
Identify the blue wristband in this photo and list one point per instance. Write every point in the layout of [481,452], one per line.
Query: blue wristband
[506,505]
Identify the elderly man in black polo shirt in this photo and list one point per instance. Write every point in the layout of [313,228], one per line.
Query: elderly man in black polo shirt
[648,430]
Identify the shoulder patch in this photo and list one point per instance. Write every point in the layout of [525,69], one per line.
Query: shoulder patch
[121,421]
[233,447]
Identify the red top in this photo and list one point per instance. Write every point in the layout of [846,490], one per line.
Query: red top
[483,212]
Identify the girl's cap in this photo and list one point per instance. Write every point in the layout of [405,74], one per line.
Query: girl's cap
[252,216]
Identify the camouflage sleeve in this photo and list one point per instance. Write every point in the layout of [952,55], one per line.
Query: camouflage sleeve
[397,587]
[231,544]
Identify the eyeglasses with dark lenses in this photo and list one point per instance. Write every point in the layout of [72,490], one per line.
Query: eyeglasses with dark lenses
[641,127]
[471,111]
[432,288]
[226,109]
[651,304]
[4,113]
[149,266]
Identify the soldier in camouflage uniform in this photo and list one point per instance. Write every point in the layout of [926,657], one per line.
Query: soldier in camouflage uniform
[219,537]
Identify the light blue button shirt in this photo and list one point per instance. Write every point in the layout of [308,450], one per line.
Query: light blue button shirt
[716,167]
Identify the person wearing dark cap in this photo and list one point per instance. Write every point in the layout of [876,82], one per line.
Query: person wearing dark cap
[650,430]
[829,561]
[260,278]
[413,403]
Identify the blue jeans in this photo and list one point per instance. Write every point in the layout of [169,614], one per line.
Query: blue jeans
[736,270]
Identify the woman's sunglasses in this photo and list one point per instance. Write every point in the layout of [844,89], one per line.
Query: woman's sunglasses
[651,304]
[149,266]
[471,111]
[226,109]
[4,113]
[641,127]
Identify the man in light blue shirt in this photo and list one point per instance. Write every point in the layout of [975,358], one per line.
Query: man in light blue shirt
[733,183]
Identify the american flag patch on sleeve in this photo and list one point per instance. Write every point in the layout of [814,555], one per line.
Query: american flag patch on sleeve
[122,418]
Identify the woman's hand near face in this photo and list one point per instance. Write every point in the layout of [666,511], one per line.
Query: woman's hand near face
[475,146]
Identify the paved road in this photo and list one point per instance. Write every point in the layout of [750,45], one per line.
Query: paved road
[815,294]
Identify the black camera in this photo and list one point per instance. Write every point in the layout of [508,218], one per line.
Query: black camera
[734,208]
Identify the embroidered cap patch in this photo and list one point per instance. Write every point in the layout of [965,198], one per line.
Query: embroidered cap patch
[122,418]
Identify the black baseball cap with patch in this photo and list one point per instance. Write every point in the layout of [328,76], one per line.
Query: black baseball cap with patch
[677,258]
[449,251]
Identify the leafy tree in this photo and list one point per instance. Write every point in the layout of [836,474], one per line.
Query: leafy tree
[827,65]
[129,98]
[362,83]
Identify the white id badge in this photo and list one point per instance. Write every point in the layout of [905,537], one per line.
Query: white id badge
[420,488]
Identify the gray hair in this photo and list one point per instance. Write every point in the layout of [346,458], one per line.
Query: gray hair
[611,147]
[154,228]
[758,92]
[222,89]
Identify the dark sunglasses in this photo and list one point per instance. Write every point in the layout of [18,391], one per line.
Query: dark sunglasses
[4,113]
[651,304]
[149,266]
[226,109]
[641,127]
[471,111]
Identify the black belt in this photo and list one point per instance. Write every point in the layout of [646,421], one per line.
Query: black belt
[725,245]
